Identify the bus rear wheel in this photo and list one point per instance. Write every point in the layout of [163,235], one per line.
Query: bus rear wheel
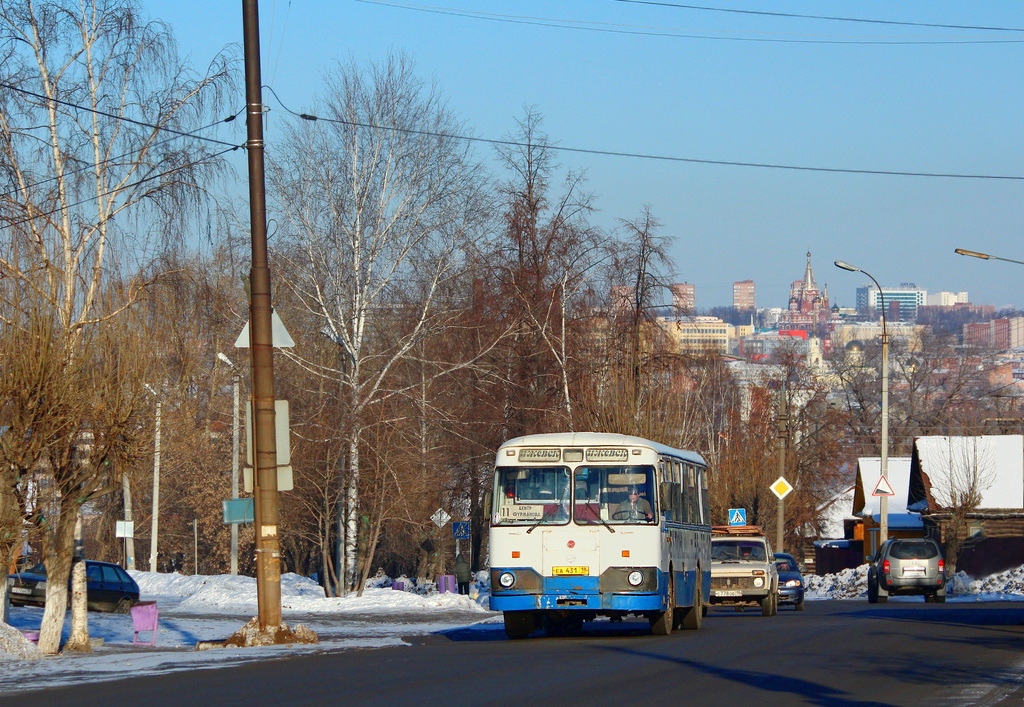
[693,617]
[519,624]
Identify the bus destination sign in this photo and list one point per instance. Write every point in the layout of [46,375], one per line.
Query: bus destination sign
[540,455]
[607,455]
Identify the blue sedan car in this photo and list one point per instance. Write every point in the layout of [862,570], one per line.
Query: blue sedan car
[791,582]
[109,587]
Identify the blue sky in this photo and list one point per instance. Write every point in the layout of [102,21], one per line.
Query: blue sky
[819,94]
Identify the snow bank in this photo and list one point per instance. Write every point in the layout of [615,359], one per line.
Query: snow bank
[14,646]
[229,593]
[853,584]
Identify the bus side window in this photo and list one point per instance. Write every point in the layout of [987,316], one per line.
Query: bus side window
[687,489]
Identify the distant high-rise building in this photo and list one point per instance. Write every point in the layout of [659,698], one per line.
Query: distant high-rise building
[947,299]
[907,296]
[684,298]
[621,298]
[743,295]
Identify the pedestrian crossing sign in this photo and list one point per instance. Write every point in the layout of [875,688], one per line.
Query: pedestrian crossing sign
[737,516]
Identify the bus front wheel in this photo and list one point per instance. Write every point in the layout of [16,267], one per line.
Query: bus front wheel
[662,621]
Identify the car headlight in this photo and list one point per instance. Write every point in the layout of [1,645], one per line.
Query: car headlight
[506,579]
[793,583]
[759,581]
[635,578]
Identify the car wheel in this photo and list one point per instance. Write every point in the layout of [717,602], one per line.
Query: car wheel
[872,591]
[124,606]
[800,605]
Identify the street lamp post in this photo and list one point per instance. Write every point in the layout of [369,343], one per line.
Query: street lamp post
[156,481]
[883,509]
[234,460]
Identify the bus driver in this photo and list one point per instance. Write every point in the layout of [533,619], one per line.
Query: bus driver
[634,508]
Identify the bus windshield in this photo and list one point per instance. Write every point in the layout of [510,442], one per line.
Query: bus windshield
[601,495]
[614,495]
[532,495]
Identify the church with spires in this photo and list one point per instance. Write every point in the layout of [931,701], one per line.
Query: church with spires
[808,305]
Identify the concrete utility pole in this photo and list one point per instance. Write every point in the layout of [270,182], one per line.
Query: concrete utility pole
[783,442]
[129,542]
[156,482]
[235,449]
[268,544]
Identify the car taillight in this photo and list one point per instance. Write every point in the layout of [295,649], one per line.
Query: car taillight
[885,566]
[942,566]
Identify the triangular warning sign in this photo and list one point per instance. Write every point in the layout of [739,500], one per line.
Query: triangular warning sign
[279,336]
[882,488]
[737,518]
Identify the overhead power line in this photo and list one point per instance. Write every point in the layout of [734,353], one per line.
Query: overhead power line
[111,160]
[123,118]
[830,18]
[645,156]
[582,25]
[111,192]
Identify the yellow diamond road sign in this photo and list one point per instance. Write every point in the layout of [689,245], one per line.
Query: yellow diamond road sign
[781,487]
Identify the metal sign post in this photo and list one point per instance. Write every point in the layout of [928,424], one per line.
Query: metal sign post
[781,488]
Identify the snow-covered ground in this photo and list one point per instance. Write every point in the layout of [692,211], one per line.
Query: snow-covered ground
[196,609]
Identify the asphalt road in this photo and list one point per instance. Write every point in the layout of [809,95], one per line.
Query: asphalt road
[834,653]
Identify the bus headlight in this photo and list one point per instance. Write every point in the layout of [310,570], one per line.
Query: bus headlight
[758,582]
[635,578]
[506,579]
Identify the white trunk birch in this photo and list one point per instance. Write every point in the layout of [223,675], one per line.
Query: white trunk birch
[379,200]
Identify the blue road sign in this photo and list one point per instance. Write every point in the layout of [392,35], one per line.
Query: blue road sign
[737,516]
[239,510]
[460,530]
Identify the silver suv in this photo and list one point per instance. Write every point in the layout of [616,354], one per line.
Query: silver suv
[907,566]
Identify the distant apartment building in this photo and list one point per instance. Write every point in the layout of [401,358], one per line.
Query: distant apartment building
[901,302]
[946,299]
[743,295]
[684,297]
[845,334]
[999,334]
[698,333]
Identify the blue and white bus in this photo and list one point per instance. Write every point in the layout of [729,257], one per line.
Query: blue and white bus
[587,524]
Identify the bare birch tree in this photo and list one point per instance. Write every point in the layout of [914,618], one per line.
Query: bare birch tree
[377,202]
[92,95]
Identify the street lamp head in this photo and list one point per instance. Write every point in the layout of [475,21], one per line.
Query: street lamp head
[225,359]
[972,253]
[846,266]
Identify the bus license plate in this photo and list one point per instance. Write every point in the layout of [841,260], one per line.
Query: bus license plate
[573,570]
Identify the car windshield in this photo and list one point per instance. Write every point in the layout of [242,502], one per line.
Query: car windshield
[738,551]
[913,550]
[785,566]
